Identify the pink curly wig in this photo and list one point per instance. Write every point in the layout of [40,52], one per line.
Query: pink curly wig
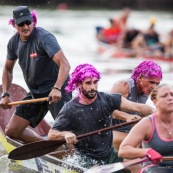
[148,69]
[79,74]
[34,19]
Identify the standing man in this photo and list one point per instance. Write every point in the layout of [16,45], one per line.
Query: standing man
[145,77]
[45,70]
[91,110]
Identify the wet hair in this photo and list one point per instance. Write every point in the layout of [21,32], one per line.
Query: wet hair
[147,69]
[34,19]
[154,92]
[81,72]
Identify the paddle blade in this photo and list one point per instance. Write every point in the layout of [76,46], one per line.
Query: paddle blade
[35,149]
[106,168]
[113,167]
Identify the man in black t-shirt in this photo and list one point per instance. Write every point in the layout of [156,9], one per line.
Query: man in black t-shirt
[90,110]
[45,70]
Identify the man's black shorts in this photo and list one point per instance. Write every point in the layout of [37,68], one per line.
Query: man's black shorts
[35,112]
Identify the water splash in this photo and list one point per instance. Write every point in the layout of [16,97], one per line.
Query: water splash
[4,162]
[14,167]
[11,166]
[81,161]
[2,150]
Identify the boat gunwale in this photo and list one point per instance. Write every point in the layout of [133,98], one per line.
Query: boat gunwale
[49,158]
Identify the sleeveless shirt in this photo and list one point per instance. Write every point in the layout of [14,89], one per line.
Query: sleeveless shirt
[133,96]
[158,143]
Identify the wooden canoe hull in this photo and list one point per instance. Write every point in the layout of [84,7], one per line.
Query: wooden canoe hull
[43,164]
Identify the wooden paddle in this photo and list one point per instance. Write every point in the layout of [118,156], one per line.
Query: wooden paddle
[28,101]
[121,165]
[18,93]
[39,148]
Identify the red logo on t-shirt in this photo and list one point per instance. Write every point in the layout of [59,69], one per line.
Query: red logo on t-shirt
[33,55]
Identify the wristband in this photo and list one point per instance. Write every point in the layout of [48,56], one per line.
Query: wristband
[55,87]
[146,153]
[153,155]
[5,94]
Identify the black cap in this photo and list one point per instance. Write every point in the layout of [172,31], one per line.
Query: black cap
[21,14]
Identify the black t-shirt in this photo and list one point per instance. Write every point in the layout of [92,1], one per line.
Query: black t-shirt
[81,119]
[35,59]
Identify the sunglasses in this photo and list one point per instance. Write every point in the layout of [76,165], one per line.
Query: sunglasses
[27,22]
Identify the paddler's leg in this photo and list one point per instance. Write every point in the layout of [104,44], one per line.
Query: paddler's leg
[118,137]
[17,129]
[26,114]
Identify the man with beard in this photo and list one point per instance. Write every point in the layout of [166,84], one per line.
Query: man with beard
[90,110]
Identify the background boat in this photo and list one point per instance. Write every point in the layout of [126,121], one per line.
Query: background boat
[111,51]
[125,61]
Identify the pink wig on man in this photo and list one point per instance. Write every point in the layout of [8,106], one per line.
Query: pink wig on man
[148,69]
[79,74]
[34,19]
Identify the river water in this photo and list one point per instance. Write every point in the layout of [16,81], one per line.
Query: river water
[75,32]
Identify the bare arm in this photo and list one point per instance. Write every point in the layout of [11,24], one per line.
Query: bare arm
[7,78]
[122,87]
[7,75]
[61,135]
[128,148]
[64,68]
[129,106]
[124,116]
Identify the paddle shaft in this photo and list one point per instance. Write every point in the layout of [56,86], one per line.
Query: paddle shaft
[167,158]
[99,131]
[107,128]
[40,148]
[145,159]
[135,162]
[28,101]
[114,167]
